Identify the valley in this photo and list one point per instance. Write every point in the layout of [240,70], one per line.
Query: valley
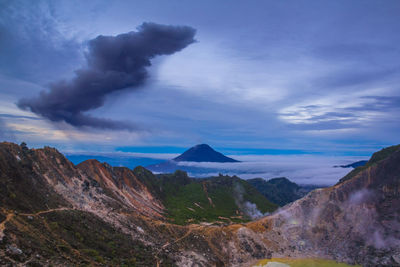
[56,213]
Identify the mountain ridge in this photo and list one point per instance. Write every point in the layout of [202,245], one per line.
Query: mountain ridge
[280,190]
[66,216]
[353,165]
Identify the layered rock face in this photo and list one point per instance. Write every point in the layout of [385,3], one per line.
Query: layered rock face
[90,186]
[36,183]
[53,212]
[356,221]
[122,186]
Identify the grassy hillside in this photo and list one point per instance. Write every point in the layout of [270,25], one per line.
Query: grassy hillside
[221,199]
[217,199]
[280,191]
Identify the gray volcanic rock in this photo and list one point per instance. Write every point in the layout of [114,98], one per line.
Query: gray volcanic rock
[356,221]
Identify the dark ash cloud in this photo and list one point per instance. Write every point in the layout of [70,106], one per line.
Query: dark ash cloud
[115,63]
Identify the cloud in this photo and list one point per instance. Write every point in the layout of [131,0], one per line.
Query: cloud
[302,169]
[115,63]
[346,77]
[12,116]
[341,113]
[34,37]
[228,90]
[361,196]
[119,154]
[360,52]
[250,209]
[5,133]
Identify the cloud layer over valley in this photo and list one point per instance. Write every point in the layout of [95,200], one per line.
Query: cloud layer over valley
[302,169]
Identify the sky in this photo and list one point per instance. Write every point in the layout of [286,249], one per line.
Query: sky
[316,78]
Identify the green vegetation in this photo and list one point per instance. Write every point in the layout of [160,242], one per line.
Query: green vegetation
[280,191]
[376,157]
[82,239]
[217,199]
[182,206]
[304,262]
[148,179]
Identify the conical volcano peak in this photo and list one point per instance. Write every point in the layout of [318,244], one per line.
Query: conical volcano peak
[203,153]
[204,147]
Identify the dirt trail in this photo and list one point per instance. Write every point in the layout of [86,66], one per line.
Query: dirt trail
[206,192]
[190,230]
[178,239]
[45,211]
[11,214]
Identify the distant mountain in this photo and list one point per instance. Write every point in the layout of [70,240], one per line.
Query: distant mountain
[280,191]
[198,153]
[203,153]
[353,165]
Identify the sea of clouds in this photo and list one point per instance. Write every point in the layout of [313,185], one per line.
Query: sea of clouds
[301,169]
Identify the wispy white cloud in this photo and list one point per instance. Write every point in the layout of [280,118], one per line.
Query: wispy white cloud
[119,154]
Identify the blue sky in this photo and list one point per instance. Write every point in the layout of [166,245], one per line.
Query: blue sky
[263,77]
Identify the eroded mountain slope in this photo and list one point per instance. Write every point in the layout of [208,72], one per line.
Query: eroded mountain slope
[356,221]
[38,183]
